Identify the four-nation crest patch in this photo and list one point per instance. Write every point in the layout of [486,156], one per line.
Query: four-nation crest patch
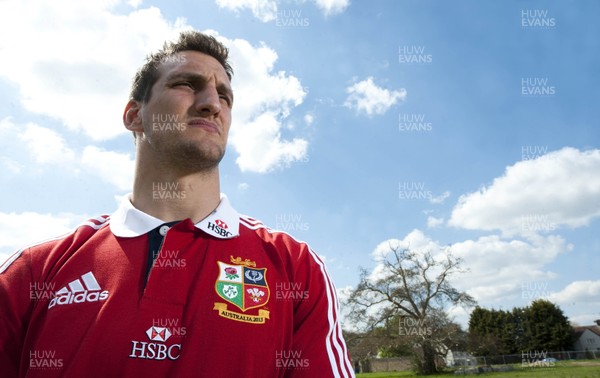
[244,286]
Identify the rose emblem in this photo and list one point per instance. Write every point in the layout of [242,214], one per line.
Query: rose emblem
[231,273]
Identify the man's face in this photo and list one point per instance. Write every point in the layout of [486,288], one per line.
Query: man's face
[187,118]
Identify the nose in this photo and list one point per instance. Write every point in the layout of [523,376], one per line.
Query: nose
[208,101]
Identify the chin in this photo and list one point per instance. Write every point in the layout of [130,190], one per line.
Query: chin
[200,158]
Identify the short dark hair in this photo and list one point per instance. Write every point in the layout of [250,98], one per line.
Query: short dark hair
[191,40]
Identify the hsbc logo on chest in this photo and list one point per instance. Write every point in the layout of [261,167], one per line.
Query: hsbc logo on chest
[154,350]
[219,228]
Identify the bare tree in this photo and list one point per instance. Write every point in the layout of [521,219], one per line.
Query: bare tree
[412,287]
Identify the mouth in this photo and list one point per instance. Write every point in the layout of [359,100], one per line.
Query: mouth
[205,125]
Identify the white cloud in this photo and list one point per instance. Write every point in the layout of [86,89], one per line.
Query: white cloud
[496,267]
[412,240]
[561,188]
[6,125]
[440,199]
[46,145]
[78,68]
[242,187]
[433,222]
[134,3]
[504,273]
[309,119]
[264,10]
[499,267]
[514,266]
[257,85]
[584,319]
[73,61]
[9,146]
[23,144]
[261,148]
[17,230]
[329,7]
[578,291]
[579,300]
[416,241]
[460,315]
[366,97]
[11,165]
[266,99]
[113,167]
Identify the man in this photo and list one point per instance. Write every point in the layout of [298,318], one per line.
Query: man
[175,282]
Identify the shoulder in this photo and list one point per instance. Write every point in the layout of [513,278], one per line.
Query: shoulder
[283,242]
[50,248]
[267,234]
[82,232]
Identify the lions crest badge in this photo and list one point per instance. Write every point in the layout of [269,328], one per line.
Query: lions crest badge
[245,287]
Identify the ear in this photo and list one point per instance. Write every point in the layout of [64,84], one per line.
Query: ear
[132,118]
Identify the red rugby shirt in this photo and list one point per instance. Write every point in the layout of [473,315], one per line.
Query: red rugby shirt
[226,297]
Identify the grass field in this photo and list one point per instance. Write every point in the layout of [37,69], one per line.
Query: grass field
[563,369]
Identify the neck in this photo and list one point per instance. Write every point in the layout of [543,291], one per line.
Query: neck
[171,195]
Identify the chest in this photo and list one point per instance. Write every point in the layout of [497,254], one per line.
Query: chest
[202,297]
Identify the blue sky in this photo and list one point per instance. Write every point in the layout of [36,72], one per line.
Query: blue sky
[465,124]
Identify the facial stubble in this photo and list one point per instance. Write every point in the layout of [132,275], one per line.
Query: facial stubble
[185,155]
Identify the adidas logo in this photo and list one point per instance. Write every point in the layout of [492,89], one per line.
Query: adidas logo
[84,289]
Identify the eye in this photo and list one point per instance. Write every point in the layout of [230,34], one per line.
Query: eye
[226,99]
[184,84]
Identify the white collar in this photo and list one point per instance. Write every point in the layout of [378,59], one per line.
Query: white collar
[129,222]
